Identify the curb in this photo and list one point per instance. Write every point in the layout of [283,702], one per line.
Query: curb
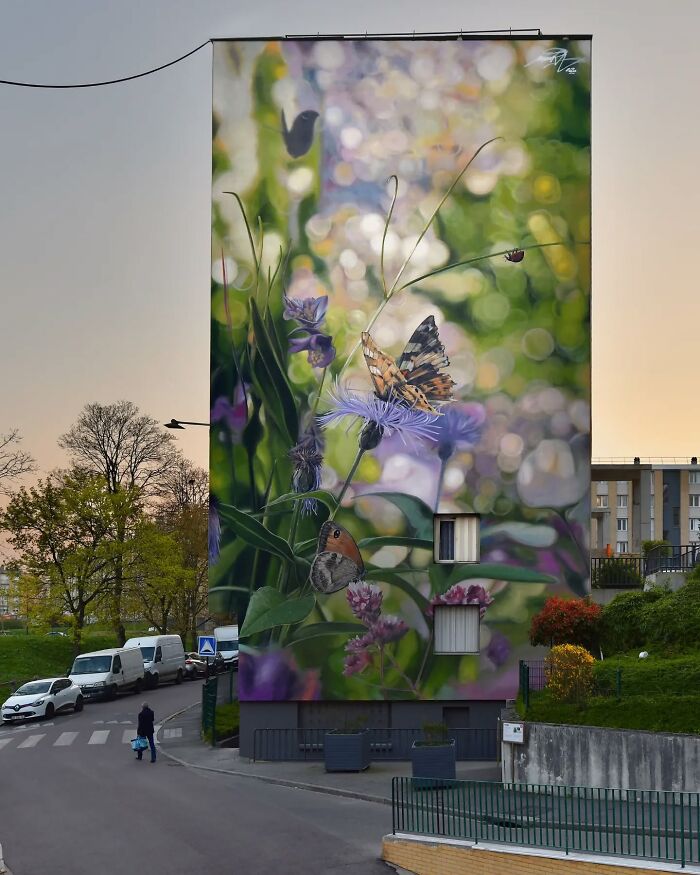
[3,868]
[266,779]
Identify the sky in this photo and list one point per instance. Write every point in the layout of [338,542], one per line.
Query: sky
[105,193]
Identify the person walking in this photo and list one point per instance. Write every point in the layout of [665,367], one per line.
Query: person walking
[145,730]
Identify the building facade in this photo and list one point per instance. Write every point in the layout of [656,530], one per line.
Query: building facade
[400,375]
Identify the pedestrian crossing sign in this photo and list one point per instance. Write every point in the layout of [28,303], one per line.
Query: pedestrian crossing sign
[207,645]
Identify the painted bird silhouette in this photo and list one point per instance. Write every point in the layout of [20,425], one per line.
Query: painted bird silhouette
[300,136]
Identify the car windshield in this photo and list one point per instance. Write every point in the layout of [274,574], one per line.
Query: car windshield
[147,653]
[91,664]
[227,645]
[34,688]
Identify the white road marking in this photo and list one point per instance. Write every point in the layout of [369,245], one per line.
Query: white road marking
[4,741]
[97,722]
[127,736]
[32,740]
[111,721]
[127,722]
[65,738]
[172,733]
[99,736]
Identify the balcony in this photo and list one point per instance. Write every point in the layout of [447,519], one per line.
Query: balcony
[630,572]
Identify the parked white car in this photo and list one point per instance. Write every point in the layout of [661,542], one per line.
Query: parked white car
[42,699]
[163,658]
[104,673]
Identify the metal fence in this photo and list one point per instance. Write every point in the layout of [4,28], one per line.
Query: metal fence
[220,689]
[385,744]
[533,679]
[646,824]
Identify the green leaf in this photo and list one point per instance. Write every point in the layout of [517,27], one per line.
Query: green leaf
[396,541]
[254,533]
[319,494]
[305,546]
[269,608]
[389,576]
[528,534]
[219,570]
[279,385]
[498,571]
[316,630]
[418,515]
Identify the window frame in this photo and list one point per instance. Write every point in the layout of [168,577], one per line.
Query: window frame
[442,611]
[464,540]
[620,526]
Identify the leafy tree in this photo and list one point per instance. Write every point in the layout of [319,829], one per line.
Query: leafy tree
[566,621]
[132,452]
[14,461]
[66,531]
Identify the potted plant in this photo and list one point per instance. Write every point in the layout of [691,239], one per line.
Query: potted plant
[347,749]
[434,756]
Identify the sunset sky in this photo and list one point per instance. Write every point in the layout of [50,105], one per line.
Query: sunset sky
[104,227]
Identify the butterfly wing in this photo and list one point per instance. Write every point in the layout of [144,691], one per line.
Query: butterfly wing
[338,561]
[422,360]
[385,374]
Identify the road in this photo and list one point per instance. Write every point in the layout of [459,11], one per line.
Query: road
[74,801]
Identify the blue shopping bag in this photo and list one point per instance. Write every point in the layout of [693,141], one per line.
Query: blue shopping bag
[139,743]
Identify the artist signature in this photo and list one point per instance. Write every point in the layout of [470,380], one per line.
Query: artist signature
[559,59]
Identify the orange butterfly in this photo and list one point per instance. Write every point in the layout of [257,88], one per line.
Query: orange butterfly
[415,379]
[338,561]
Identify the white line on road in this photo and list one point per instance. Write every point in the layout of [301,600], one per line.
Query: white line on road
[65,738]
[99,736]
[127,736]
[172,733]
[32,740]
[3,742]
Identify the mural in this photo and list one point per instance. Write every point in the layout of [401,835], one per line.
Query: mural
[400,322]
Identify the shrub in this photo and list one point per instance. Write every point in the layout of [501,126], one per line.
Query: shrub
[616,572]
[567,621]
[569,671]
[623,622]
[664,548]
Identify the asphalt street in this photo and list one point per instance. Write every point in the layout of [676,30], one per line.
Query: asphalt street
[74,801]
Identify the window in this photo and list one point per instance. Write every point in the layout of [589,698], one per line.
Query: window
[621,547]
[456,628]
[117,665]
[694,477]
[694,500]
[694,524]
[601,501]
[456,538]
[676,516]
[622,501]
[622,525]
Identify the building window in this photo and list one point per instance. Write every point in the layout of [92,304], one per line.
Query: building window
[456,537]
[694,500]
[676,516]
[694,524]
[456,628]
[622,525]
[621,547]
[694,477]
[622,501]
[601,501]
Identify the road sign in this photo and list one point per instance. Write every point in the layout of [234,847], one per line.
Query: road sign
[206,645]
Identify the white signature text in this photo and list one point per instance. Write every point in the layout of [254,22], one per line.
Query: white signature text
[559,59]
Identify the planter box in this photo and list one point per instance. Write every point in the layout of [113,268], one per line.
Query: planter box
[346,752]
[433,761]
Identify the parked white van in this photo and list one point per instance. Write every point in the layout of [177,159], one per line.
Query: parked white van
[163,657]
[227,644]
[104,673]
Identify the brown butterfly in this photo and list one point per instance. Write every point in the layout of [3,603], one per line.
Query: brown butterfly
[338,561]
[415,379]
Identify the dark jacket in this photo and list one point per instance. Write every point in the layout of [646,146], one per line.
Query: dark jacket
[146,718]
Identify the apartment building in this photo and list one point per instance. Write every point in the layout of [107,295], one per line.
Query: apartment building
[635,500]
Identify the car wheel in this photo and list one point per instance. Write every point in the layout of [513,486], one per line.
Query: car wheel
[78,704]
[112,695]
[49,711]
[154,681]
[178,676]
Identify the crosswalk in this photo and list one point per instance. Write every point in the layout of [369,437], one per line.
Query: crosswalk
[26,740]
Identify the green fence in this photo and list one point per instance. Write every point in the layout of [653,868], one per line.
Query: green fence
[653,825]
[220,689]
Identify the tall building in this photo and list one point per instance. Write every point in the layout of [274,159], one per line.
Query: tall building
[637,500]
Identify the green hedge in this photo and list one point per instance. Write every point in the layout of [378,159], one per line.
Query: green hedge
[227,722]
[23,657]
[654,676]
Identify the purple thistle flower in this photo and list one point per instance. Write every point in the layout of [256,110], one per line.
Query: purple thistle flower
[307,460]
[357,654]
[459,424]
[498,650]
[319,346]
[235,414]
[214,530]
[388,629]
[273,677]
[380,416]
[365,601]
[461,594]
[308,312]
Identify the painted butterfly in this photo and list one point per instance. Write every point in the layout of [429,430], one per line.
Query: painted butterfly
[515,255]
[415,379]
[338,561]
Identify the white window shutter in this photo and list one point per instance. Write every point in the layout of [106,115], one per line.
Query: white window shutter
[456,629]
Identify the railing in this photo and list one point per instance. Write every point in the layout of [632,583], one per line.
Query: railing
[647,824]
[220,689]
[385,744]
[618,573]
[670,557]
[533,679]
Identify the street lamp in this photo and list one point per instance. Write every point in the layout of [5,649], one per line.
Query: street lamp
[181,423]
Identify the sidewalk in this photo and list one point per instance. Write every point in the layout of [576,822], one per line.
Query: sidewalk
[178,738]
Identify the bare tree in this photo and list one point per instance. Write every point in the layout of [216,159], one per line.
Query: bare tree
[14,461]
[185,484]
[130,450]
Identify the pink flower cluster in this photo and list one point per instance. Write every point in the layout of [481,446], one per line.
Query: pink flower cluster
[461,594]
[365,602]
